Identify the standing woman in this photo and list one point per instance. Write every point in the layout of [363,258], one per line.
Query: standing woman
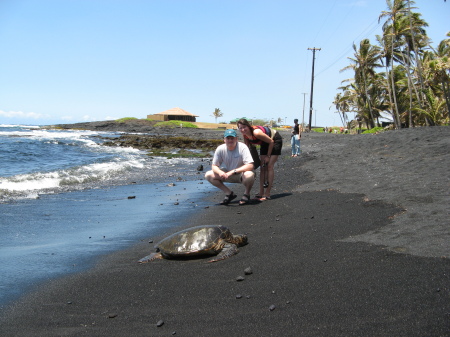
[271,142]
[295,139]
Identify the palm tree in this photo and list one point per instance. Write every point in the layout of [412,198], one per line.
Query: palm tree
[387,57]
[412,39]
[364,63]
[435,109]
[217,113]
[437,71]
[342,104]
[417,38]
[443,76]
[414,88]
[396,8]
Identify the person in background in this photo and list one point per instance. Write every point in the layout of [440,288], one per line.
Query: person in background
[271,143]
[232,163]
[295,139]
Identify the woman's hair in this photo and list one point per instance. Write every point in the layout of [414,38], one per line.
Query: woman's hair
[296,120]
[245,122]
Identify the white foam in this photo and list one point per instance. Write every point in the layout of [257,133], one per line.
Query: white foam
[19,126]
[48,134]
[79,175]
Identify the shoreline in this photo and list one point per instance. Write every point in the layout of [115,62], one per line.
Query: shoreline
[309,250]
[93,226]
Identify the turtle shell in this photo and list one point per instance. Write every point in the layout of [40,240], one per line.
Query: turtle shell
[200,240]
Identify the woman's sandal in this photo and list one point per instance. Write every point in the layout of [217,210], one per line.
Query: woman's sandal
[244,201]
[258,196]
[228,198]
[264,198]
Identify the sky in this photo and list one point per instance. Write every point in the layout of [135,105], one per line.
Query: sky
[68,61]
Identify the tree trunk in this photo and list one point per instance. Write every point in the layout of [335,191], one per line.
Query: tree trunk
[446,90]
[397,116]
[408,72]
[416,56]
[391,104]
[372,120]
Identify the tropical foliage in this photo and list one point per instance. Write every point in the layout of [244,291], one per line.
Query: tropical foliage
[402,76]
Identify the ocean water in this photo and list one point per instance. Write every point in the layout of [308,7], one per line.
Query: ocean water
[65,200]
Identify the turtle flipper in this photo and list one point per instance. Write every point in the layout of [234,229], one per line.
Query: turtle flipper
[151,257]
[229,249]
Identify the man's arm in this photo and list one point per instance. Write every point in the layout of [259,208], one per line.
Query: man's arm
[245,167]
[216,169]
[224,175]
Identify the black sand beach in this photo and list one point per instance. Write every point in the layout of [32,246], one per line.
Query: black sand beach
[354,242]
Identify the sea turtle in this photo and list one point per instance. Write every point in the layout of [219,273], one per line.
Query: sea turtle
[200,240]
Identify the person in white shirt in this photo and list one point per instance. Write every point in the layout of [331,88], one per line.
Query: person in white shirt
[232,163]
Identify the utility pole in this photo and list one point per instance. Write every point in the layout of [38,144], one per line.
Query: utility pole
[303,119]
[312,86]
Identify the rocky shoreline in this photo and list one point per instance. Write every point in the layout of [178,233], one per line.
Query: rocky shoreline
[159,141]
[141,126]
[165,145]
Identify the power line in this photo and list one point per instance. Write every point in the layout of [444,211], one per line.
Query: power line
[348,49]
[325,20]
[335,29]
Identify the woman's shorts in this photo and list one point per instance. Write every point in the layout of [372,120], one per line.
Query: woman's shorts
[278,144]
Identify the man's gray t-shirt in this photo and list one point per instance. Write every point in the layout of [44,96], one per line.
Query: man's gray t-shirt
[232,159]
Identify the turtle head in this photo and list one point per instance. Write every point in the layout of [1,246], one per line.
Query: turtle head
[241,239]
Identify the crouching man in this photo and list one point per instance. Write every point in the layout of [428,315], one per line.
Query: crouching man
[232,163]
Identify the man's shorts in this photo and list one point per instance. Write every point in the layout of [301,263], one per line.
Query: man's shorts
[235,178]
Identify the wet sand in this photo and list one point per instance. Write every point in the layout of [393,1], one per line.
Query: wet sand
[353,243]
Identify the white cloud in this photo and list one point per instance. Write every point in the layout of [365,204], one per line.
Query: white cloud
[67,118]
[88,118]
[21,114]
[110,118]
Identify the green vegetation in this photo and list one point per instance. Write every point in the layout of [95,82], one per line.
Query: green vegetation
[374,130]
[125,119]
[176,124]
[412,87]
[317,130]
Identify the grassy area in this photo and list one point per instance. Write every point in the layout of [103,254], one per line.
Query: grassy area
[374,130]
[176,124]
[125,119]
